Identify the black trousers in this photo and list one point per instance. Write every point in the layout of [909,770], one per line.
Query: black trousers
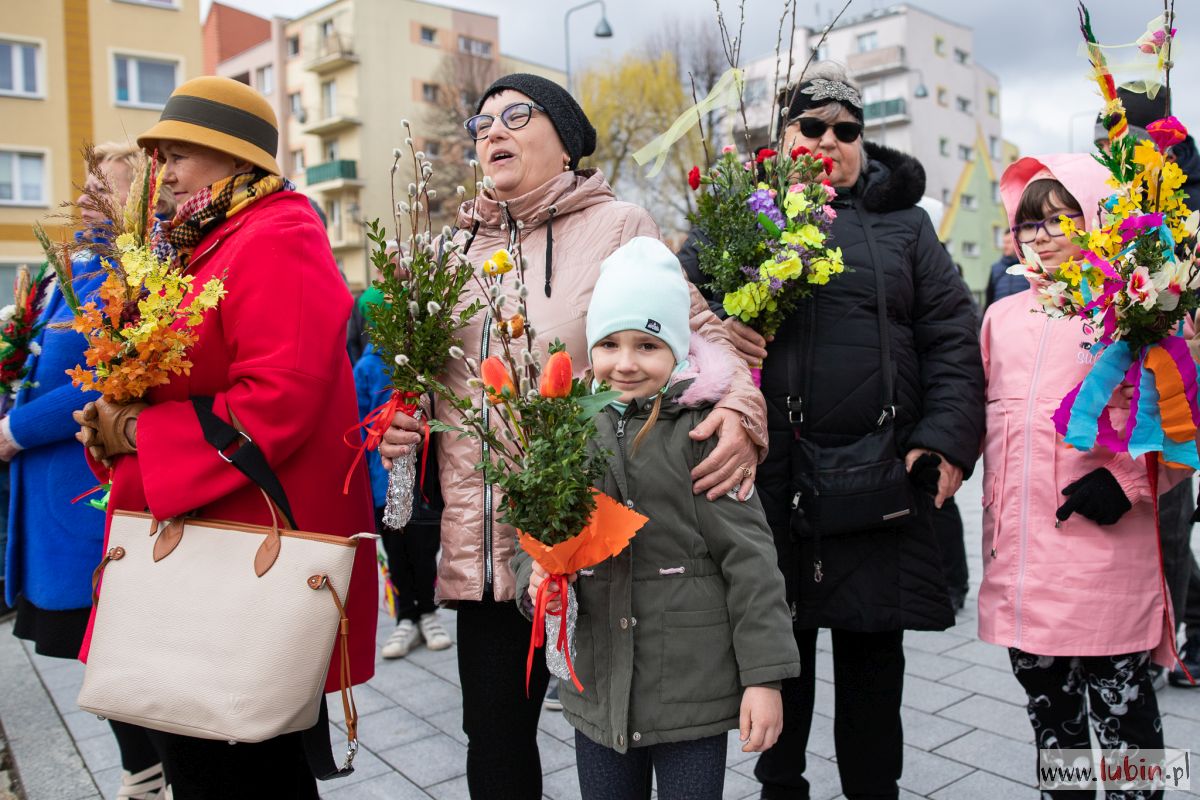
[499,719]
[948,524]
[412,565]
[692,770]
[868,676]
[1113,693]
[1179,564]
[204,769]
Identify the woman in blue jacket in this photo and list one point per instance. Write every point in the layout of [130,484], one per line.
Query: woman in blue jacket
[53,543]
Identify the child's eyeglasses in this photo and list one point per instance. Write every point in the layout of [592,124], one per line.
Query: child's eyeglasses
[1026,232]
[813,128]
[514,117]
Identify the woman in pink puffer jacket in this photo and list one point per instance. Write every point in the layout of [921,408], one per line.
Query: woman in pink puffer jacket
[1072,582]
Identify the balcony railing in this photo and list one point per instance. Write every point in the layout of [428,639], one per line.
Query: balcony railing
[873,63]
[882,109]
[331,117]
[340,170]
[333,51]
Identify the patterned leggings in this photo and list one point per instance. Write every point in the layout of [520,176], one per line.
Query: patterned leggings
[1112,692]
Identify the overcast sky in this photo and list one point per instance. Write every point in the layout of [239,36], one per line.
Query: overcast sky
[1032,45]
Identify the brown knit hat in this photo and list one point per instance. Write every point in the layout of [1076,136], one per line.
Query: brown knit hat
[223,114]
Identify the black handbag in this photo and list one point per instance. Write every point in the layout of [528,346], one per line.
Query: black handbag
[863,485]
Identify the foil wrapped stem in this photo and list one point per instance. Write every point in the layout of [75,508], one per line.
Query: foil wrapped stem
[402,479]
[556,660]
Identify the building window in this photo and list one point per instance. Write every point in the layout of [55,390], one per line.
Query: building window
[429,92]
[998,236]
[298,164]
[961,56]
[943,97]
[293,46]
[970,249]
[969,202]
[328,29]
[329,149]
[333,215]
[474,47]
[22,179]
[946,197]
[295,106]
[19,74]
[433,148]
[944,146]
[995,191]
[993,103]
[428,35]
[823,53]
[867,42]
[939,45]
[963,104]
[966,153]
[994,147]
[144,82]
[264,79]
[328,100]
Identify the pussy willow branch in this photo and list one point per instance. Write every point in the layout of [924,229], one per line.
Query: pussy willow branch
[699,120]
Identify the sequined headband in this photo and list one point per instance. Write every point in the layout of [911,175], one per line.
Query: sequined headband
[818,92]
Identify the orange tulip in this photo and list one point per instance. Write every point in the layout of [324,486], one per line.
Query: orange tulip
[496,380]
[556,377]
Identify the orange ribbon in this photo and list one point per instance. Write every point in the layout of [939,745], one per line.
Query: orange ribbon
[375,424]
[554,586]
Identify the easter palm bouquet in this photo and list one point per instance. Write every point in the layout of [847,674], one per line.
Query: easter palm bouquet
[1135,281]
[535,419]
[20,328]
[766,225]
[142,324]
[416,326]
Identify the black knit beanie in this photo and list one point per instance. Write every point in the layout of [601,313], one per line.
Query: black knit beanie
[572,125]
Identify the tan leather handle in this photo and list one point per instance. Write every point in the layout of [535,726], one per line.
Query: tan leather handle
[349,710]
[113,554]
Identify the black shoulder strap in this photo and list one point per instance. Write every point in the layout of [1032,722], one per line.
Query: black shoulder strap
[248,458]
[888,400]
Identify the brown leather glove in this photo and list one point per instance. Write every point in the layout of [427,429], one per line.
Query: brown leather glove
[104,428]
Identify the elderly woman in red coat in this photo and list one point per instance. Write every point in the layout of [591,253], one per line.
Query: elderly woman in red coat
[272,354]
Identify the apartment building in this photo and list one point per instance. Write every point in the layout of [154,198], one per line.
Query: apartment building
[71,72]
[250,49]
[923,94]
[353,70]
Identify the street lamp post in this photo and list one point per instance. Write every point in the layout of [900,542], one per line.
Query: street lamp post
[603,30]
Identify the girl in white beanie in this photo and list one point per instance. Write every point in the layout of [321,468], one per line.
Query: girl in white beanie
[686,634]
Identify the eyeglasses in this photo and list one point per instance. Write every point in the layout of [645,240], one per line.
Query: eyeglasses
[514,117]
[813,128]
[1026,232]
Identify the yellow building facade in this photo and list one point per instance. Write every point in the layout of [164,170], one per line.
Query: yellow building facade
[355,69]
[73,72]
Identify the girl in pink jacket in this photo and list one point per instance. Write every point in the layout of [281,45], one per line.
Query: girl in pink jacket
[1072,583]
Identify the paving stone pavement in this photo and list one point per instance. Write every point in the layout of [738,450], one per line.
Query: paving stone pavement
[966,733]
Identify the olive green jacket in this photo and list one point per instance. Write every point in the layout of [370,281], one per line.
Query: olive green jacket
[673,628]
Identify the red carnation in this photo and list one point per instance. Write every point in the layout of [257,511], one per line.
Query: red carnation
[828,164]
[764,154]
[694,178]
[800,150]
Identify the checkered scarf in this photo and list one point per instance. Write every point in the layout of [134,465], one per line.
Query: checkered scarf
[214,204]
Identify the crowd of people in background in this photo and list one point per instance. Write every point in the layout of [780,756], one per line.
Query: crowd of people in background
[709,621]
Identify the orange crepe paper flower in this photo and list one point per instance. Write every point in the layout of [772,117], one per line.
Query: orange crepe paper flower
[557,375]
[496,380]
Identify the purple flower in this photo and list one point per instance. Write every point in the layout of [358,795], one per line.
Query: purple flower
[775,285]
[761,202]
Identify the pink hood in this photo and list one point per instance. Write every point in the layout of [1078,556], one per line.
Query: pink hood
[1085,179]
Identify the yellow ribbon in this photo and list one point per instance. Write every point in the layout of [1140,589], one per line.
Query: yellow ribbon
[726,90]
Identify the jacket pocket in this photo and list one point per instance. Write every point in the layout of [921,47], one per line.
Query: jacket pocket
[686,634]
[584,662]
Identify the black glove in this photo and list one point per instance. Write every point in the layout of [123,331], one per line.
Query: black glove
[1196,514]
[1096,496]
[926,472]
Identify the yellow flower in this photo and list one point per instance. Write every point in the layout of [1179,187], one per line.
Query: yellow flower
[1146,155]
[1070,272]
[749,301]
[126,242]
[795,203]
[783,270]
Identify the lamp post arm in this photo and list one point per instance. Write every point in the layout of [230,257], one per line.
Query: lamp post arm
[567,31]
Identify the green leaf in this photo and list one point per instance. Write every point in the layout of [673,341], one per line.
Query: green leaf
[768,226]
[592,404]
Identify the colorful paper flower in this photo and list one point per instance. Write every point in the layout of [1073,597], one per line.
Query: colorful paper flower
[556,376]
[1166,132]
[496,380]
[694,178]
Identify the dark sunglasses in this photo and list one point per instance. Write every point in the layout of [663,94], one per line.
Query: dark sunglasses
[514,117]
[813,128]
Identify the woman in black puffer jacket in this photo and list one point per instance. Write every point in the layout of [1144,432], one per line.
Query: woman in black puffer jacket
[823,383]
